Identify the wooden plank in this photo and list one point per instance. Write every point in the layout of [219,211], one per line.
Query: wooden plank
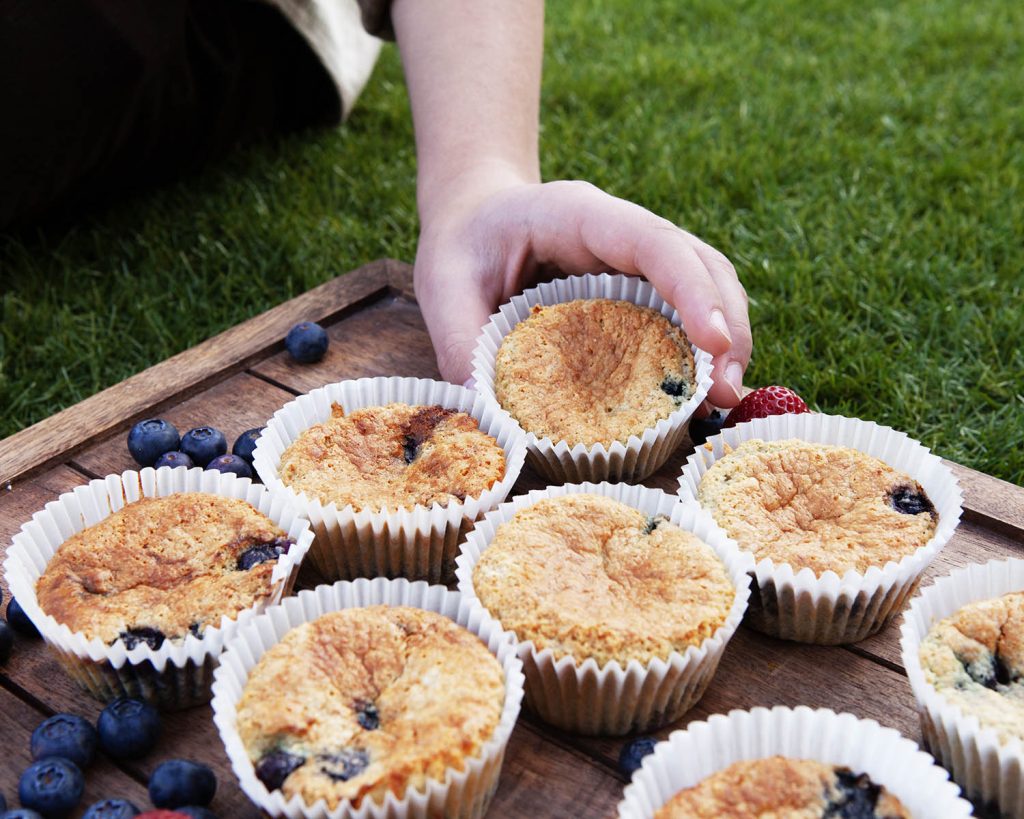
[57,437]
[103,779]
[995,503]
[232,406]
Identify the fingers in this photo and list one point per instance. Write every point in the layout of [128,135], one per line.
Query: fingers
[692,276]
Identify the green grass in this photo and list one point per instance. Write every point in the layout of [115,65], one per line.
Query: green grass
[859,162]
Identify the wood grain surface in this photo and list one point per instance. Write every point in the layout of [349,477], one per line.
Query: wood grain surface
[236,381]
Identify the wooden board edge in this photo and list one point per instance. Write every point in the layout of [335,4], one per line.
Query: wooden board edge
[57,437]
[400,278]
[991,501]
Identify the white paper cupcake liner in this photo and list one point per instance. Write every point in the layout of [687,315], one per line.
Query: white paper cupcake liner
[580,696]
[462,793]
[689,756]
[180,672]
[558,460]
[988,770]
[798,605]
[418,543]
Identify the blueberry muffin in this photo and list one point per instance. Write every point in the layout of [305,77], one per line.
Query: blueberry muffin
[162,568]
[777,787]
[393,456]
[593,371]
[587,576]
[817,505]
[364,701]
[975,660]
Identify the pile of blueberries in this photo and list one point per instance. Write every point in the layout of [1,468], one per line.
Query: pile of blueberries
[64,746]
[155,442]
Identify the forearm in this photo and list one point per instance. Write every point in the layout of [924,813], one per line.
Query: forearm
[473,72]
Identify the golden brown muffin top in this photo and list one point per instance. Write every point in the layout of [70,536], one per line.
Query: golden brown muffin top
[391,456]
[162,568]
[975,659]
[816,505]
[587,576]
[781,788]
[593,371]
[362,701]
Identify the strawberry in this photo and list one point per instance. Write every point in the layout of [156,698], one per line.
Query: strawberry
[766,401]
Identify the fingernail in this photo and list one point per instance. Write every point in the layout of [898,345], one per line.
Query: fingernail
[734,378]
[469,383]
[717,320]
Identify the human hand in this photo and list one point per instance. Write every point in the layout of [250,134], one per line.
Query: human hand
[497,235]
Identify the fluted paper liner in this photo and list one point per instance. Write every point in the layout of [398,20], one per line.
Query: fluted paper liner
[703,748]
[559,460]
[180,672]
[418,543]
[462,793]
[576,694]
[796,604]
[989,771]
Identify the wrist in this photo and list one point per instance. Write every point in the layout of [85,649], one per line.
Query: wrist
[443,192]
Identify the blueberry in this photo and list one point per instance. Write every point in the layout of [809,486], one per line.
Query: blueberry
[367,715]
[674,386]
[262,552]
[173,459]
[196,812]
[128,728]
[65,735]
[653,521]
[3,802]
[856,796]
[703,428]
[150,439]
[152,637]
[245,444]
[910,500]
[203,444]
[20,813]
[51,786]
[179,782]
[343,765]
[19,620]
[306,342]
[632,755]
[275,767]
[231,463]
[111,809]
[6,641]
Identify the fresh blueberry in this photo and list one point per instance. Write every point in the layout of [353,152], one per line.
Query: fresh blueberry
[231,463]
[152,637]
[631,757]
[6,641]
[196,812]
[179,782]
[703,428]
[306,342]
[910,500]
[150,439]
[275,767]
[65,735]
[262,552]
[245,444]
[19,620]
[51,786]
[128,728]
[173,459]
[20,813]
[203,444]
[111,809]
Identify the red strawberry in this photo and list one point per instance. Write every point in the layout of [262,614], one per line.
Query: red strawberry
[766,401]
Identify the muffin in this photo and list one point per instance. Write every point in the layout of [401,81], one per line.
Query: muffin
[820,506]
[778,786]
[587,576]
[161,568]
[393,456]
[365,701]
[975,660]
[593,371]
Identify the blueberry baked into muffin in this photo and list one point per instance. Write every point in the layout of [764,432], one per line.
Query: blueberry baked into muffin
[593,371]
[587,576]
[778,786]
[162,568]
[814,505]
[364,701]
[975,660]
[393,456]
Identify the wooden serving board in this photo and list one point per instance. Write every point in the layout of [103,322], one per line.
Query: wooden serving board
[237,380]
